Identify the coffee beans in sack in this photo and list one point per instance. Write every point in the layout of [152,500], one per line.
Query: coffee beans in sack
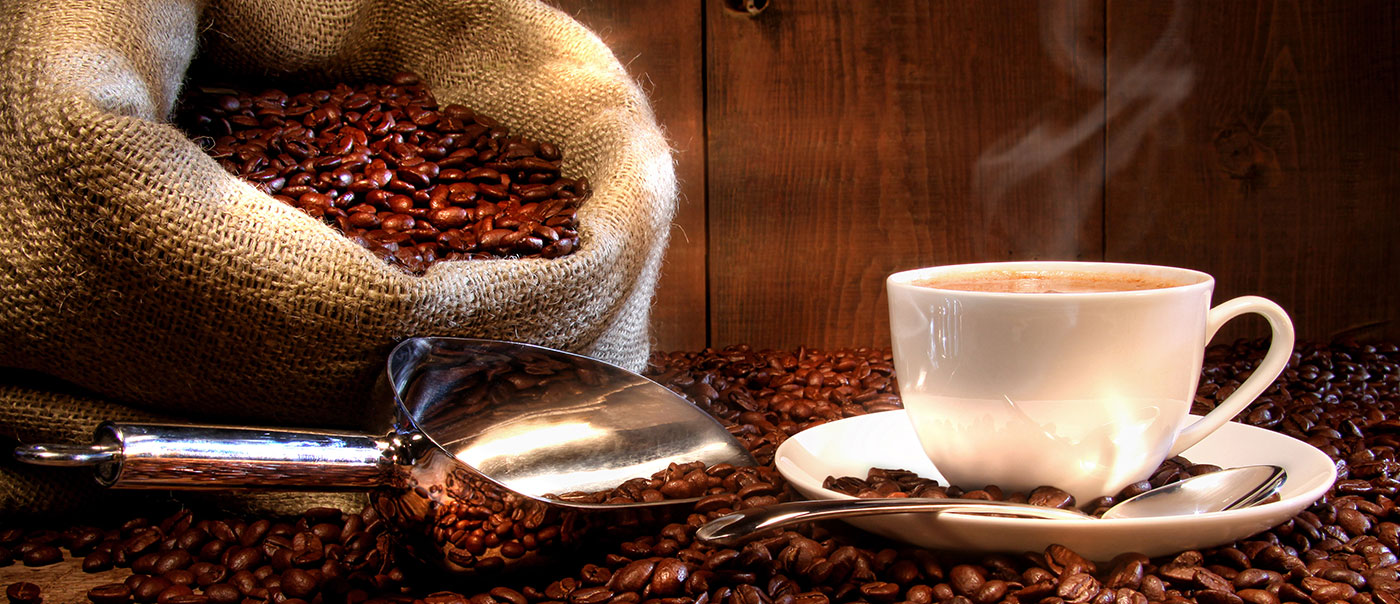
[139,272]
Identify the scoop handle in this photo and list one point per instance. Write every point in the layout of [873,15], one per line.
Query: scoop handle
[178,456]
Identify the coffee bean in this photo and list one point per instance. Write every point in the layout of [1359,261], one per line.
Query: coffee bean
[668,577]
[966,579]
[1128,572]
[1077,588]
[43,555]
[83,540]
[23,592]
[173,560]
[180,577]
[244,558]
[1216,596]
[222,593]
[1049,496]
[173,592]
[97,562]
[1255,578]
[1206,579]
[991,591]
[148,589]
[1257,596]
[590,595]
[109,593]
[1065,561]
[142,541]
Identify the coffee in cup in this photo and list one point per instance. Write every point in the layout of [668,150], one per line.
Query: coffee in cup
[1078,375]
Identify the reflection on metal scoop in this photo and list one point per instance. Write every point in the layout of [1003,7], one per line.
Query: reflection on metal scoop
[1228,489]
[475,437]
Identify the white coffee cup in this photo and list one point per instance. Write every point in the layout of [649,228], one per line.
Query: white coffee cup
[1088,392]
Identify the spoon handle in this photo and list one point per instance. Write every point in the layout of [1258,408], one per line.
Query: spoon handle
[743,525]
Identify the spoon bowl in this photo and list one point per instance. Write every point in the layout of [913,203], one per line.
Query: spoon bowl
[1229,489]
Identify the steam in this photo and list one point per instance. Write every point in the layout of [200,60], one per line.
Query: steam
[1142,94]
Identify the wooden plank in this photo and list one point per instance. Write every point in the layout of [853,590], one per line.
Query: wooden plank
[659,42]
[1277,172]
[844,144]
[61,582]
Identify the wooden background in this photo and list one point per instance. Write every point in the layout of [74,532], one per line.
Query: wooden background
[822,145]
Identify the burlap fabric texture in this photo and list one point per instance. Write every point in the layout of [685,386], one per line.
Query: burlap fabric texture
[134,268]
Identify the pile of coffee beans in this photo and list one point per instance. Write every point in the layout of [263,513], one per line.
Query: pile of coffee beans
[681,481]
[885,482]
[183,558]
[385,165]
[1342,399]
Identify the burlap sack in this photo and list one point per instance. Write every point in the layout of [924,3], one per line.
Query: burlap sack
[135,268]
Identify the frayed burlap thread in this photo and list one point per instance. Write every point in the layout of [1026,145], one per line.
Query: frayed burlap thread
[135,268]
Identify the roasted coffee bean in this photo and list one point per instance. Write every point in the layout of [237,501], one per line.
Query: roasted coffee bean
[991,591]
[966,579]
[668,577]
[173,560]
[23,592]
[298,583]
[1127,572]
[146,563]
[223,593]
[1077,588]
[1257,596]
[110,593]
[590,595]
[506,595]
[43,555]
[253,532]
[173,592]
[1065,561]
[1217,596]
[1049,496]
[97,562]
[142,542]
[84,540]
[180,577]
[244,558]
[150,588]
[1256,578]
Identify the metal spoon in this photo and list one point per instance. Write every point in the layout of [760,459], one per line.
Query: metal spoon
[461,426]
[1217,491]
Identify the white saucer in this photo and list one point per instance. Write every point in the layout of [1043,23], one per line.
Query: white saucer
[850,447]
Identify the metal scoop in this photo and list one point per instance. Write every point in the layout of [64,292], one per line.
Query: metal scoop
[1229,489]
[480,440]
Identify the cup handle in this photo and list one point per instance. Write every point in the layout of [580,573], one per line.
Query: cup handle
[1280,350]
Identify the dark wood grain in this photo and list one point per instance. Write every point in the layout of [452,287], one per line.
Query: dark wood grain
[1254,140]
[844,144]
[1279,172]
[63,582]
[659,42]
